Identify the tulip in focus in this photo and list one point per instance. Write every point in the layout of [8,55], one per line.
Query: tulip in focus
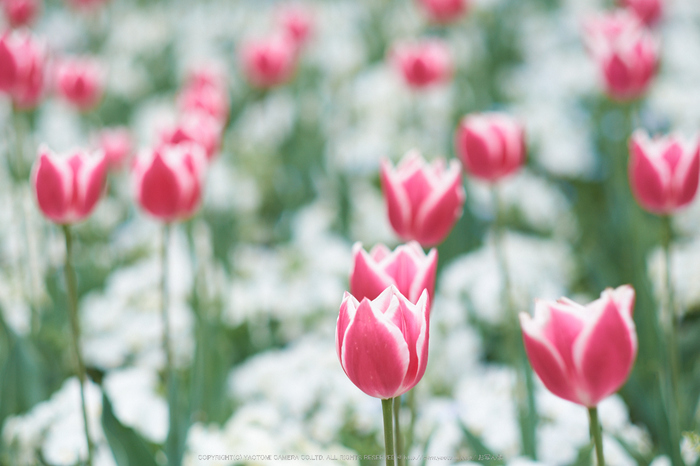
[663,172]
[423,201]
[648,11]
[490,145]
[407,267]
[581,353]
[117,146]
[67,188]
[268,62]
[199,128]
[80,82]
[422,64]
[626,54]
[169,181]
[21,12]
[297,24]
[382,343]
[444,11]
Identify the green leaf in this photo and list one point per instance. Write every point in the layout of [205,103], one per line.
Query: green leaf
[127,446]
[21,382]
[478,447]
[584,457]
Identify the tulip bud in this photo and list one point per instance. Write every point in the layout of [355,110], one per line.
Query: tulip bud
[626,55]
[423,201]
[444,11]
[296,23]
[80,82]
[268,62]
[199,128]
[67,188]
[21,12]
[407,267]
[169,181]
[582,353]
[117,146]
[663,172]
[490,145]
[382,344]
[648,11]
[422,64]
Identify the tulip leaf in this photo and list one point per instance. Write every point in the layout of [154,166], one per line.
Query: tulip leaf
[584,457]
[127,446]
[478,448]
[21,382]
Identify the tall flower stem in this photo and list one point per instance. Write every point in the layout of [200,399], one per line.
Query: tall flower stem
[171,443]
[596,435]
[400,459]
[71,290]
[387,411]
[525,387]
[669,386]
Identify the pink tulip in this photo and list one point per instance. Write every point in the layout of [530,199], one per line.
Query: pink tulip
[80,82]
[268,62]
[382,344]
[205,91]
[199,128]
[117,146]
[8,64]
[297,24]
[423,201]
[22,64]
[663,172]
[582,353]
[21,12]
[444,11]
[491,145]
[408,268]
[67,188]
[422,64]
[648,11]
[169,181]
[626,55]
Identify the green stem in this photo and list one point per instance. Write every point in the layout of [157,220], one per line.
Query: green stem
[671,370]
[400,458]
[171,443]
[387,406]
[71,289]
[525,388]
[596,435]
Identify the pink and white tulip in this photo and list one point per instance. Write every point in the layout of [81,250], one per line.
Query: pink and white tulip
[21,13]
[117,146]
[80,81]
[444,11]
[205,91]
[648,11]
[67,187]
[169,181]
[197,127]
[22,68]
[297,24]
[491,145]
[423,201]
[664,172]
[581,353]
[422,64]
[626,54]
[269,62]
[382,343]
[407,267]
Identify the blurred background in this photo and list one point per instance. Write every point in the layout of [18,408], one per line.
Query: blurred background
[258,274]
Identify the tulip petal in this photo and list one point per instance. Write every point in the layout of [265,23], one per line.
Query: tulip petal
[91,183]
[8,66]
[561,330]
[398,204]
[416,331]
[347,312]
[53,187]
[374,353]
[160,190]
[605,350]
[403,269]
[425,277]
[648,180]
[687,177]
[367,279]
[439,213]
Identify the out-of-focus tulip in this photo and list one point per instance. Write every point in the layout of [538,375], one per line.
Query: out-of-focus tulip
[67,188]
[80,82]
[422,64]
[648,11]
[199,128]
[21,12]
[423,201]
[297,23]
[626,54]
[491,145]
[407,267]
[382,344]
[444,11]
[169,180]
[117,146]
[205,91]
[22,63]
[8,64]
[663,172]
[582,353]
[268,62]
